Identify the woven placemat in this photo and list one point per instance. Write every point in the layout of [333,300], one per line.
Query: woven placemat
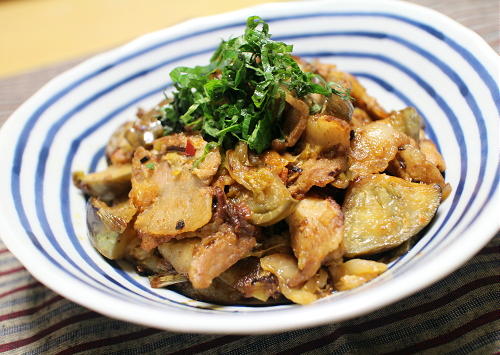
[458,315]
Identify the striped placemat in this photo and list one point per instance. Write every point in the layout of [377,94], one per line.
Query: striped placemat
[458,315]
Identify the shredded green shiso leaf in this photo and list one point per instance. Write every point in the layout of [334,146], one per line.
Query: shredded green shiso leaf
[240,94]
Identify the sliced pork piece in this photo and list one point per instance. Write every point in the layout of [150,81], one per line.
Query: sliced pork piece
[181,202]
[315,172]
[179,253]
[412,165]
[217,253]
[325,145]
[316,231]
[214,248]
[432,154]
[204,259]
[248,277]
[284,267]
[373,147]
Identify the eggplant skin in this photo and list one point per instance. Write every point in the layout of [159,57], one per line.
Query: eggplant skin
[219,293]
[107,185]
[382,212]
[109,229]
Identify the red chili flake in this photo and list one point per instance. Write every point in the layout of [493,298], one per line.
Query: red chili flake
[190,150]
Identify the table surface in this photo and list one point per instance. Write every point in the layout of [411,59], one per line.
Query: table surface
[456,315]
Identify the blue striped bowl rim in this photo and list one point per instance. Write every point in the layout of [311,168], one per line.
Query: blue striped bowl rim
[43,233]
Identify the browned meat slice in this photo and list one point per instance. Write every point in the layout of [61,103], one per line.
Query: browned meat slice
[216,254]
[179,253]
[411,164]
[205,259]
[106,185]
[211,250]
[181,203]
[294,121]
[131,135]
[316,231]
[325,146]
[316,172]
[284,267]
[251,280]
[432,154]
[373,147]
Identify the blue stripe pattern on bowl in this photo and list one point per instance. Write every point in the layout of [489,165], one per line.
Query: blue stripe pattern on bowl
[474,176]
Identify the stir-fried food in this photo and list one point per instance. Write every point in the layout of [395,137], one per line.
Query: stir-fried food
[263,178]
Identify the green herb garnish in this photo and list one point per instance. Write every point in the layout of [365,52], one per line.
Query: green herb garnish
[240,95]
[150,166]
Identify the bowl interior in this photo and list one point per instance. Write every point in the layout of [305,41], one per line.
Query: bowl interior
[403,54]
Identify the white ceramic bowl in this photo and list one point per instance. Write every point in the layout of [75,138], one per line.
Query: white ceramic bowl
[403,53]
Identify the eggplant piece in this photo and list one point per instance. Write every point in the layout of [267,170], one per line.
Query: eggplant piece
[381,212]
[159,281]
[406,121]
[338,107]
[267,197]
[220,293]
[294,122]
[107,185]
[109,227]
